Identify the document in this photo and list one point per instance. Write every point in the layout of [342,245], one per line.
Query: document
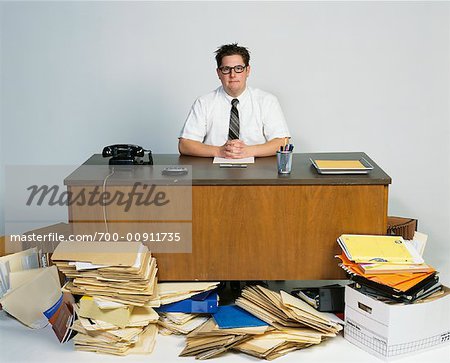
[140,317]
[419,242]
[173,323]
[122,254]
[38,293]
[170,292]
[282,310]
[208,340]
[394,283]
[296,304]
[124,272]
[119,316]
[361,166]
[285,323]
[277,343]
[115,341]
[390,268]
[373,249]
[20,261]
[339,164]
[138,337]
[249,160]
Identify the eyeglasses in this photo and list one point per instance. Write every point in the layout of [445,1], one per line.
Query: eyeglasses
[237,69]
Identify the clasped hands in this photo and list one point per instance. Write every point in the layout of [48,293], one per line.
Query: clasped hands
[235,149]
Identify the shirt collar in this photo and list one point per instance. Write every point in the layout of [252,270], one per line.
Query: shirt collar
[242,97]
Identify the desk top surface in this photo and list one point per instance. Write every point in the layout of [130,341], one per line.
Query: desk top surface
[204,172]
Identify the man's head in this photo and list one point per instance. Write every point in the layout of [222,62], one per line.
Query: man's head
[232,49]
[233,68]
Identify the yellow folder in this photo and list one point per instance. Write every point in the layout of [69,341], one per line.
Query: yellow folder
[371,249]
[119,316]
[340,164]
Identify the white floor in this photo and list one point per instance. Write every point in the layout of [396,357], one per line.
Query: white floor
[21,344]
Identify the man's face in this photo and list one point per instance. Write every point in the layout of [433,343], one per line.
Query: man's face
[233,83]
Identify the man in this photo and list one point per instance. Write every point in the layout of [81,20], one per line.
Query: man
[234,121]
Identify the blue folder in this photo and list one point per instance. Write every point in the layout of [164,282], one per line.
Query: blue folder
[205,302]
[232,316]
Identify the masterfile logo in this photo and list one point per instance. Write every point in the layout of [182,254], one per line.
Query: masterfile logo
[101,203]
[53,195]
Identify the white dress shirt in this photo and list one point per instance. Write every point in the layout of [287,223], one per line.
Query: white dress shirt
[260,118]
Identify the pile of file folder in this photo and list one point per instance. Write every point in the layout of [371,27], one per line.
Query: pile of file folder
[124,272]
[180,323]
[388,268]
[114,328]
[185,305]
[32,293]
[118,287]
[263,323]
[229,327]
[171,292]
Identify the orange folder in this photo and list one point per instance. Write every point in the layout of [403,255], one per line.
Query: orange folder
[400,281]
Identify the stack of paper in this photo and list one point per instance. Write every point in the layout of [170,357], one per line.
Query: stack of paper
[117,314]
[276,343]
[355,166]
[263,323]
[296,324]
[180,323]
[249,160]
[210,340]
[170,292]
[376,249]
[401,287]
[136,337]
[124,272]
[418,244]
[16,262]
[388,267]
[38,290]
[118,284]
[282,310]
[183,305]
[32,294]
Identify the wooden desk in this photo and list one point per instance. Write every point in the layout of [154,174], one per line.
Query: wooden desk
[251,224]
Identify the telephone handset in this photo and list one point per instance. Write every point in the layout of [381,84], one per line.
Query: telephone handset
[126,154]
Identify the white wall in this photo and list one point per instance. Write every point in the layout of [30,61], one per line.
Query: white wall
[366,76]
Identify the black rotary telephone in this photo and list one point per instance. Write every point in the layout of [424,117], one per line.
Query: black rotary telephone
[125,154]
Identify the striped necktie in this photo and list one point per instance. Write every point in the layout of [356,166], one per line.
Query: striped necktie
[233,132]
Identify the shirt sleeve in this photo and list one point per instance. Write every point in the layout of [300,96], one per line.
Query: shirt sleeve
[195,125]
[274,123]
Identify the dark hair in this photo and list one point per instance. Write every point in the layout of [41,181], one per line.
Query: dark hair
[232,49]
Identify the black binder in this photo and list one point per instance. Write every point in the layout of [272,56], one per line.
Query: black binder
[418,291]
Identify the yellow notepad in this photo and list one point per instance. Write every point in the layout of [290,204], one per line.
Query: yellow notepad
[339,164]
[371,249]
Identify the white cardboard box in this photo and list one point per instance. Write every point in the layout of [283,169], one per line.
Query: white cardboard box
[391,331]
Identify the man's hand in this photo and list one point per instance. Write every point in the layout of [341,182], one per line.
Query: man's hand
[232,149]
[235,149]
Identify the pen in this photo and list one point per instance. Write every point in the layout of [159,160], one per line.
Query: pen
[233,165]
